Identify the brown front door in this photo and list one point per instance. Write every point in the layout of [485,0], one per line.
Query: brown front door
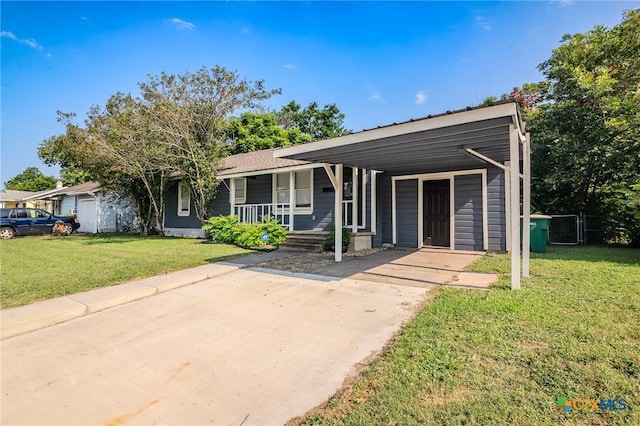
[436,213]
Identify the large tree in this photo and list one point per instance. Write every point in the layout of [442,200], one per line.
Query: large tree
[253,131]
[585,122]
[51,154]
[174,129]
[318,123]
[31,179]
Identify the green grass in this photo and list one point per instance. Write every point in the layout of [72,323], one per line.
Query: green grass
[37,268]
[503,357]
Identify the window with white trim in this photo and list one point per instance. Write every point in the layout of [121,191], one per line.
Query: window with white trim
[303,181]
[184,198]
[240,190]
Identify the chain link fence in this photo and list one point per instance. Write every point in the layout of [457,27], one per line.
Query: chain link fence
[573,229]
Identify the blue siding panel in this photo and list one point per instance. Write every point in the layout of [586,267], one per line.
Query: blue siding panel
[468,212]
[407,211]
[171,218]
[496,210]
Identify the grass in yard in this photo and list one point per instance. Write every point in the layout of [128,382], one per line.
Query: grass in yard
[503,357]
[37,268]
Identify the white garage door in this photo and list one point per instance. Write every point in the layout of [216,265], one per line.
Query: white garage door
[87,216]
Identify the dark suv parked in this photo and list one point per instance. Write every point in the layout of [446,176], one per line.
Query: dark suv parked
[24,221]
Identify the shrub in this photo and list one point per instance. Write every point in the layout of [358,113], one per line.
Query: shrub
[329,242]
[223,229]
[227,229]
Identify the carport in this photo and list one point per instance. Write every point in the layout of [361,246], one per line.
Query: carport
[455,143]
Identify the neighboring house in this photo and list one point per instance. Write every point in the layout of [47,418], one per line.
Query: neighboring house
[96,210]
[441,181]
[10,198]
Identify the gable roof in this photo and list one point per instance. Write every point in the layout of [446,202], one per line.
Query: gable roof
[14,195]
[254,162]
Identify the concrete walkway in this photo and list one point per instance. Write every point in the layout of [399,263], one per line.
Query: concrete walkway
[225,346]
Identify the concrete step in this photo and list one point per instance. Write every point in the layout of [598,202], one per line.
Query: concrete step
[306,241]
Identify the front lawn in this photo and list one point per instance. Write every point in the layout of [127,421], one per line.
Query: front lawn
[37,268]
[504,358]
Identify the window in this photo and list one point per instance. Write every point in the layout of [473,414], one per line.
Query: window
[240,191]
[303,181]
[184,199]
[303,189]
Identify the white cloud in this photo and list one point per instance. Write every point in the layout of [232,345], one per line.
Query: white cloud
[483,23]
[291,67]
[535,29]
[376,96]
[245,30]
[421,97]
[565,3]
[28,41]
[180,24]
[84,18]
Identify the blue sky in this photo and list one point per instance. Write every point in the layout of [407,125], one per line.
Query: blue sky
[380,62]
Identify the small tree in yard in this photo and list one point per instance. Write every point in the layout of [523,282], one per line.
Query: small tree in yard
[174,128]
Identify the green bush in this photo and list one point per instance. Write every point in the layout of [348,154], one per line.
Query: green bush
[227,229]
[329,242]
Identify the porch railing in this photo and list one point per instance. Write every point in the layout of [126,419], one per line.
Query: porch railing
[253,213]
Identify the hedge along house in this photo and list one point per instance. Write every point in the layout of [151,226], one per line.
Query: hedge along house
[441,181]
[450,180]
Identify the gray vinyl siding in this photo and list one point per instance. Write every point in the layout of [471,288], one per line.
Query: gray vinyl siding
[221,205]
[323,202]
[171,218]
[259,189]
[468,212]
[407,211]
[384,232]
[495,210]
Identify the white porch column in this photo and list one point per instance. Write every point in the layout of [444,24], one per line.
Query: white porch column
[232,195]
[337,212]
[292,199]
[354,209]
[373,201]
[514,180]
[526,204]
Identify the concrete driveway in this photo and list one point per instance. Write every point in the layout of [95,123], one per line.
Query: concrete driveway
[247,347]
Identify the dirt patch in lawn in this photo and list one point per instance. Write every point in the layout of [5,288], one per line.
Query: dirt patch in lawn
[313,262]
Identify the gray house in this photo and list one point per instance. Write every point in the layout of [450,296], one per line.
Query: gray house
[442,181]
[97,210]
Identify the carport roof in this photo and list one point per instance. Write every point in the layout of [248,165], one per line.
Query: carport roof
[429,144]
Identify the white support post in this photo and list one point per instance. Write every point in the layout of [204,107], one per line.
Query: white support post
[452,213]
[337,214]
[514,178]
[292,199]
[507,207]
[232,195]
[394,231]
[373,201]
[420,212]
[526,204]
[485,214]
[354,208]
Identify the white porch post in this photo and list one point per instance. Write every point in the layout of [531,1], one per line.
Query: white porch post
[354,209]
[526,204]
[514,178]
[292,198]
[232,195]
[338,213]
[373,201]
